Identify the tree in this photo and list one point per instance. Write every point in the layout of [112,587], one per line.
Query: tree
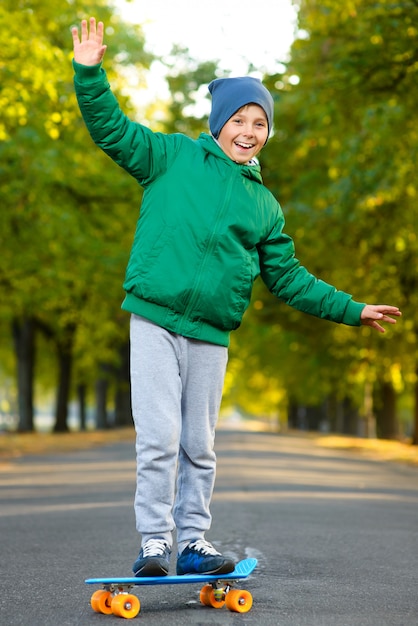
[343,162]
[65,233]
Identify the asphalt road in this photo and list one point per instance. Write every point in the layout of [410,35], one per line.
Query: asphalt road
[336,536]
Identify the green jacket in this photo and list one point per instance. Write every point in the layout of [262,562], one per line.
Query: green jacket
[207,228]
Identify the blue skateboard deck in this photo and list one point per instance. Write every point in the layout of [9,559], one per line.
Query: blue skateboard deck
[242,570]
[114,597]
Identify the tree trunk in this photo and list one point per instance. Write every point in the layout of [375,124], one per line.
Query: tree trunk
[386,422]
[101,403]
[81,395]
[415,423]
[369,418]
[65,361]
[123,408]
[24,345]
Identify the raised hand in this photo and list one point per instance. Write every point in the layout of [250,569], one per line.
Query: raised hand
[90,50]
[372,314]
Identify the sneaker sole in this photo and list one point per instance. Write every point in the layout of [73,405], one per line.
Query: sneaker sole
[227,568]
[151,569]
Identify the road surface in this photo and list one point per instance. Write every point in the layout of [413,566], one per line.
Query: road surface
[336,536]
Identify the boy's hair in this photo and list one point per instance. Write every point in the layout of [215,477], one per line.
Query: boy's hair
[231,94]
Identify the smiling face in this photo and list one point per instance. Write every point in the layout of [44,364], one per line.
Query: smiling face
[244,134]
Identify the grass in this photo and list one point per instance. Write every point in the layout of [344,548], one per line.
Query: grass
[14,445]
[379,449]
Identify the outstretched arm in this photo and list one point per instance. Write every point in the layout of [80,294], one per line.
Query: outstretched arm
[90,50]
[372,314]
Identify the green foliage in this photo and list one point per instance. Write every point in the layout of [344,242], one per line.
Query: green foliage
[343,162]
[186,81]
[66,228]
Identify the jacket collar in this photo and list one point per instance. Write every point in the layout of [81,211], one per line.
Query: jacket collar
[209,144]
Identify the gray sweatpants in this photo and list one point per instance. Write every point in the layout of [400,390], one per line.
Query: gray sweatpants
[176,394]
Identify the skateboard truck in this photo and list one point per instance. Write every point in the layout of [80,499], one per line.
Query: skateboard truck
[220,592]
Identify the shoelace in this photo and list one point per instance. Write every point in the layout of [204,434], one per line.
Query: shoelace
[205,547]
[154,547]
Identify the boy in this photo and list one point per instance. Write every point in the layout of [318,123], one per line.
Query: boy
[208,227]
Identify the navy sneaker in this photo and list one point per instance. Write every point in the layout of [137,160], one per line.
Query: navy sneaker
[153,559]
[200,557]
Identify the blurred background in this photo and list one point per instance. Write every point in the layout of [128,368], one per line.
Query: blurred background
[342,161]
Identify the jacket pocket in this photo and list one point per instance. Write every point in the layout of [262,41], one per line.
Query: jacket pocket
[145,256]
[224,302]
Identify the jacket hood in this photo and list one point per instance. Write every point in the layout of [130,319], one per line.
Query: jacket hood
[210,145]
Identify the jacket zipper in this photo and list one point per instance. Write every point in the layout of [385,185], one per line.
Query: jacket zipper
[209,250]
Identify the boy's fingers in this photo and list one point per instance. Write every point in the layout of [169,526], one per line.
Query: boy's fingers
[100,29]
[374,324]
[74,32]
[84,32]
[92,28]
[389,310]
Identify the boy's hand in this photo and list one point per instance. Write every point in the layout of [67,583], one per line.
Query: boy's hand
[90,50]
[373,312]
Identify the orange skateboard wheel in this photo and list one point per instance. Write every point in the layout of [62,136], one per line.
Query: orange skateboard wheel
[125,605]
[101,602]
[239,601]
[208,598]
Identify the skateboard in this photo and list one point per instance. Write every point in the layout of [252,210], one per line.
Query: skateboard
[115,598]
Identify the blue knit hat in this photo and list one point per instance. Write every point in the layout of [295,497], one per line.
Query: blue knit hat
[230,94]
